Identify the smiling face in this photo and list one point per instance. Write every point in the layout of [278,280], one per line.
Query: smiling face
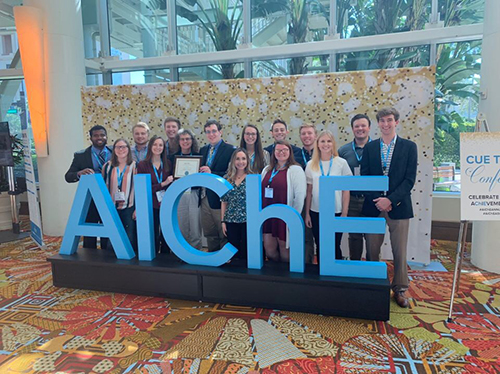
[361,129]
[307,136]
[99,138]
[158,147]
[240,161]
[213,134]
[325,145]
[279,131]
[387,125]
[171,128]
[250,135]
[282,153]
[140,135]
[185,142]
[121,150]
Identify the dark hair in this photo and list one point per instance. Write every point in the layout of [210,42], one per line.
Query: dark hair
[163,156]
[279,120]
[384,112]
[195,148]
[258,151]
[97,128]
[291,159]
[172,119]
[360,116]
[114,158]
[211,122]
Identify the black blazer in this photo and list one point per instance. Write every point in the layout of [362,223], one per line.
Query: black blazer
[402,174]
[218,167]
[81,160]
[297,154]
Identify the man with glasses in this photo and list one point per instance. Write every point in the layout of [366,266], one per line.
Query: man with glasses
[216,156]
[86,162]
[279,131]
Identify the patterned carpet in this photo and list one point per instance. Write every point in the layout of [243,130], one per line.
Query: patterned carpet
[56,330]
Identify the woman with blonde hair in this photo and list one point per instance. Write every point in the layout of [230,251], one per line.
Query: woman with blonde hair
[283,182]
[325,162]
[234,203]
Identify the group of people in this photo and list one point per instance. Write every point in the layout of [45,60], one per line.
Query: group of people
[290,175]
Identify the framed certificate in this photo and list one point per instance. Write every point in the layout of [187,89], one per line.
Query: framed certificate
[186,165]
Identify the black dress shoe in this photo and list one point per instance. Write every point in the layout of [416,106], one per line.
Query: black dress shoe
[401,299]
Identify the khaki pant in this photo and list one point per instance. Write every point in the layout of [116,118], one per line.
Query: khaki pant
[212,226]
[188,213]
[309,241]
[355,239]
[398,230]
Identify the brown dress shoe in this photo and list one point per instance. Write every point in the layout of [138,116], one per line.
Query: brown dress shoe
[401,299]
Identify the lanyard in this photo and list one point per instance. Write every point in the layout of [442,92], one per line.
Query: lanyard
[211,157]
[304,157]
[159,179]
[252,159]
[137,153]
[329,169]
[359,158]
[168,148]
[273,174]
[98,159]
[385,158]
[119,176]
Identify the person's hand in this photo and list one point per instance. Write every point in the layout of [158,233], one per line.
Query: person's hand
[224,229]
[134,216]
[86,171]
[205,169]
[383,204]
[343,215]
[308,221]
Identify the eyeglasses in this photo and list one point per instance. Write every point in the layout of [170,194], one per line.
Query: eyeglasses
[284,150]
[185,139]
[121,147]
[250,134]
[208,132]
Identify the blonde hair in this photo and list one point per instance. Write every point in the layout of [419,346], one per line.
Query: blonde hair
[316,154]
[308,125]
[231,169]
[141,124]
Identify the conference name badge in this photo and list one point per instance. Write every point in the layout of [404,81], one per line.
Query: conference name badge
[268,193]
[119,196]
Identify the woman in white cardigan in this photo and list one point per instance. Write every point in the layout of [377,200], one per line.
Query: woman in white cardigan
[283,182]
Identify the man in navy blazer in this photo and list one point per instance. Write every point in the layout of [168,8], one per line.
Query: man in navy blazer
[90,161]
[396,158]
[216,156]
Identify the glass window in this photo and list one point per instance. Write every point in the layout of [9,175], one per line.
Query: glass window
[291,66]
[8,49]
[288,21]
[373,17]
[384,58]
[208,26]
[91,36]
[211,72]
[138,28]
[94,80]
[141,77]
[461,12]
[457,99]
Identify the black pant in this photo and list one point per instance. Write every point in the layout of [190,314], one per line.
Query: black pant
[237,236]
[129,225]
[315,228]
[160,245]
[93,217]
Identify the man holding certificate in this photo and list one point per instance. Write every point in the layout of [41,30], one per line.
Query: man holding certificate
[216,156]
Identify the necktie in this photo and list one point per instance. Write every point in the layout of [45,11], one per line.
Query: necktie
[102,157]
[210,156]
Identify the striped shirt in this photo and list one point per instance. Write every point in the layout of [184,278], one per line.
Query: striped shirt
[110,176]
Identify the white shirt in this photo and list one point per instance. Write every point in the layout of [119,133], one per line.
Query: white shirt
[340,167]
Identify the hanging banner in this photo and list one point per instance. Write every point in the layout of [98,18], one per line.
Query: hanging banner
[480,176]
[33,202]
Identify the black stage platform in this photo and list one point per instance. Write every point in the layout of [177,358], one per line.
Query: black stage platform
[271,287]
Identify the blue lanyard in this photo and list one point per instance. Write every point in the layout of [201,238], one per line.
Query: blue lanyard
[304,156]
[105,150]
[273,174]
[329,169]
[119,176]
[137,155]
[159,179]
[359,158]
[211,158]
[385,158]
[252,159]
